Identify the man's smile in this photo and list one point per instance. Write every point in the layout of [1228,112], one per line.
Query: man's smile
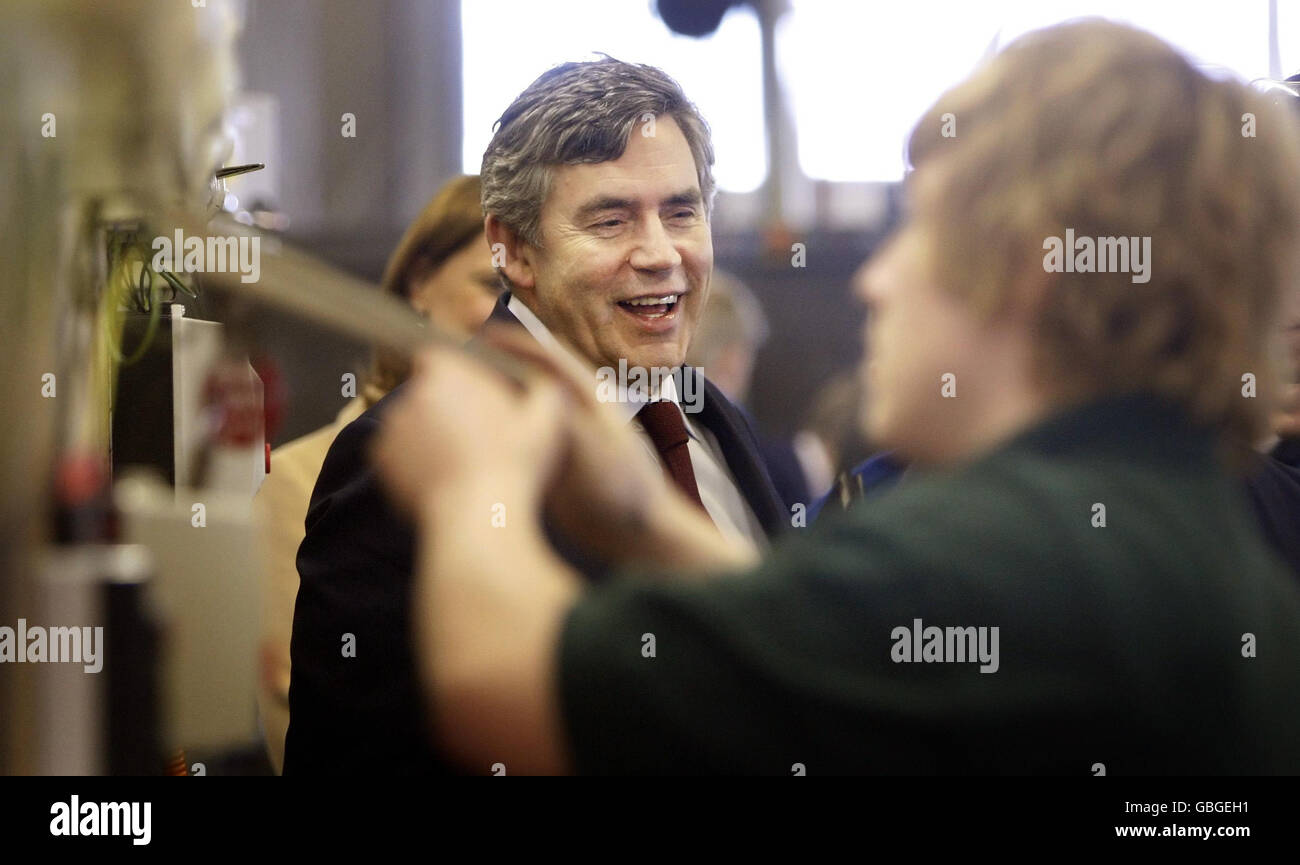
[653,312]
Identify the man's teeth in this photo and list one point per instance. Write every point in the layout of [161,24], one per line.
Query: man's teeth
[652,301]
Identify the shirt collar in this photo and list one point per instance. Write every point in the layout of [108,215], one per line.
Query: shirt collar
[532,323]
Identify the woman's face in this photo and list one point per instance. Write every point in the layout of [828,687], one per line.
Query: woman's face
[459,295]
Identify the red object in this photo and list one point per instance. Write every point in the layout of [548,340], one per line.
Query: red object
[274,396]
[79,477]
[663,423]
[268,458]
[231,394]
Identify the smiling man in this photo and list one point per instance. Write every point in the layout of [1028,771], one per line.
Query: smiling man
[1073,493]
[623,265]
[597,189]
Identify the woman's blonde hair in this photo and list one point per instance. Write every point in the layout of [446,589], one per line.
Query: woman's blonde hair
[1108,131]
[451,220]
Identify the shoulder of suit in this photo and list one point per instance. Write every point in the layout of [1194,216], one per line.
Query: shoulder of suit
[303,457]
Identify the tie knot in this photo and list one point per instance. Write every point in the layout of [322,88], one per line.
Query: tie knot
[663,423]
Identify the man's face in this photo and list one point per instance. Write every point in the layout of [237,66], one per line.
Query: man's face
[626,254]
[916,334]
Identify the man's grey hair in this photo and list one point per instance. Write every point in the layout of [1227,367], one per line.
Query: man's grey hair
[580,113]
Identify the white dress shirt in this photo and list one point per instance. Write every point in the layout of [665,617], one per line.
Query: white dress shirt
[718,491]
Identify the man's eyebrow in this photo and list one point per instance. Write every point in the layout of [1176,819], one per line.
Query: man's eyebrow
[687,197]
[600,205]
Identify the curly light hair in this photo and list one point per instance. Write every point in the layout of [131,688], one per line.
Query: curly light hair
[1106,130]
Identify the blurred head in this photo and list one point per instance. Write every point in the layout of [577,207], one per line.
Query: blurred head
[1291,338]
[1291,309]
[443,268]
[598,184]
[1107,131]
[731,330]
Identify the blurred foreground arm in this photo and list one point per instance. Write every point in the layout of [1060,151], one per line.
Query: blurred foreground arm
[475,461]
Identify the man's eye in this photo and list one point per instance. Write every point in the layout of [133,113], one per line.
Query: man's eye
[609,223]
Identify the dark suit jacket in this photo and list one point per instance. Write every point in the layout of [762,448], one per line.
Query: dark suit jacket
[366,714]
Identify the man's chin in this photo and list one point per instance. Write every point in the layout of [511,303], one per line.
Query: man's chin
[669,359]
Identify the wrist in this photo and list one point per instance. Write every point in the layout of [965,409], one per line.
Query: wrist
[677,533]
[497,498]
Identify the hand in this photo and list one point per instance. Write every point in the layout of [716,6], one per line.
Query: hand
[605,490]
[459,425]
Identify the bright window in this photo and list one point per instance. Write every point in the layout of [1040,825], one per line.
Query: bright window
[508,43]
[859,75]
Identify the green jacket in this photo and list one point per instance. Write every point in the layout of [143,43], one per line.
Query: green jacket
[1142,624]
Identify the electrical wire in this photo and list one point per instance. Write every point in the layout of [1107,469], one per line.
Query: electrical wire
[140,294]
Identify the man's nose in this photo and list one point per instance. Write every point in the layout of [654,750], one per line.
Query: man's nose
[654,249]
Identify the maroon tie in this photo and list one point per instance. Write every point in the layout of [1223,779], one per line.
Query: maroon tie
[663,422]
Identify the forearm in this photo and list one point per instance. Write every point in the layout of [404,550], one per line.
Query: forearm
[492,598]
[490,604]
[677,535]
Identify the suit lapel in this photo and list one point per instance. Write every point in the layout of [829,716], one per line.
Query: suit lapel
[501,313]
[740,449]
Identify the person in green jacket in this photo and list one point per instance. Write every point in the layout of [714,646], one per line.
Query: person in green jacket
[1066,337]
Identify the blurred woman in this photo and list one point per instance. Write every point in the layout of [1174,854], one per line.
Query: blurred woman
[442,267]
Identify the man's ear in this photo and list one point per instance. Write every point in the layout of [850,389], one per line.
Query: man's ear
[511,254]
